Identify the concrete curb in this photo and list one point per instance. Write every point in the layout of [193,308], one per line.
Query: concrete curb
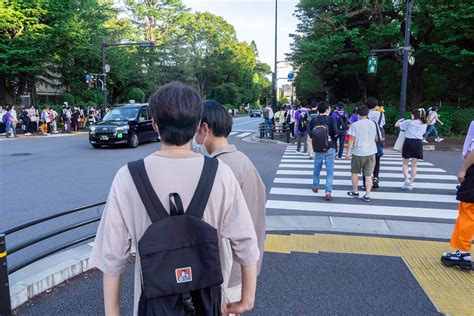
[47,273]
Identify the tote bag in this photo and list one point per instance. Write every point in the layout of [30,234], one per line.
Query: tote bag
[400,141]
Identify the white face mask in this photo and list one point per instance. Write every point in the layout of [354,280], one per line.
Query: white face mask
[198,148]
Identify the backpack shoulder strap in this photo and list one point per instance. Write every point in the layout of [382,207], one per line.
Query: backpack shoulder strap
[377,128]
[380,118]
[152,203]
[204,187]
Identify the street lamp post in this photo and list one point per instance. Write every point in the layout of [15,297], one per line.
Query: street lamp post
[274,77]
[105,68]
[406,50]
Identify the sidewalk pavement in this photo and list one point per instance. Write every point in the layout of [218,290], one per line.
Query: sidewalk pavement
[42,136]
[309,274]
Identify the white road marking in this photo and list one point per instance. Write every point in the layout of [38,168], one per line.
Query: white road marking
[232,133]
[382,175]
[363,208]
[303,159]
[383,184]
[243,135]
[340,166]
[375,194]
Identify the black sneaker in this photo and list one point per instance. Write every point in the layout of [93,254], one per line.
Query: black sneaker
[457,259]
[352,193]
[376,183]
[366,198]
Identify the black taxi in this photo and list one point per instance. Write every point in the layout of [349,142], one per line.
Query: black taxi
[124,125]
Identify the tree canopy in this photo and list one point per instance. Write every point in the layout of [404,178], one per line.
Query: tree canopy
[333,40]
[57,42]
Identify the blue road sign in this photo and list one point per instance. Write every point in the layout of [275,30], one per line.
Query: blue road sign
[291,76]
[88,77]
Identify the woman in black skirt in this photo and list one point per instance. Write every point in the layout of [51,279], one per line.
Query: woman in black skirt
[413,146]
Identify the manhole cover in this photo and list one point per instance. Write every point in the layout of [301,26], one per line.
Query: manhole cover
[21,154]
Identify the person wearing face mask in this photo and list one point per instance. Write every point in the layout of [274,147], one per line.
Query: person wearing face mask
[174,171]
[216,125]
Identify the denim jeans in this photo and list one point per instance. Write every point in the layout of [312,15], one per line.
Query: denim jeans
[328,158]
[430,129]
[7,129]
[268,124]
[302,138]
[341,138]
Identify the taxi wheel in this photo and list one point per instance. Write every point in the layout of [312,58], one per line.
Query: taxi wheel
[133,140]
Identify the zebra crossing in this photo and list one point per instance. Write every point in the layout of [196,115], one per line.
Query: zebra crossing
[240,134]
[432,199]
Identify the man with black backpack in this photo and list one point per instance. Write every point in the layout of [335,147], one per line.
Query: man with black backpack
[342,122]
[175,206]
[301,130]
[323,136]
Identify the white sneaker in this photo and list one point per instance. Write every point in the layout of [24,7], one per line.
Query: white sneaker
[439,140]
[425,141]
[406,185]
[305,154]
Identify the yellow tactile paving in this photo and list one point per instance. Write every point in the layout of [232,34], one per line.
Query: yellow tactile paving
[450,290]
[277,243]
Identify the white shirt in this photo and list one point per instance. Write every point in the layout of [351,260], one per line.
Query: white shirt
[364,132]
[432,117]
[414,129]
[375,116]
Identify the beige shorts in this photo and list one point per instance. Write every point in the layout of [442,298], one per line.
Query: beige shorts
[364,164]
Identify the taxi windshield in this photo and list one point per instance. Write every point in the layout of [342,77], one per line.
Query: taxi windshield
[121,114]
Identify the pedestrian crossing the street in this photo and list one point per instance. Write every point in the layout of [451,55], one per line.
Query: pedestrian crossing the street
[433,197]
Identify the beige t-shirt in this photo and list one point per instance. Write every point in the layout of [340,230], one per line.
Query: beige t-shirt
[125,219]
[255,195]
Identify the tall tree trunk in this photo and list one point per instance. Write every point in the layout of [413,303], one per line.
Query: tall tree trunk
[6,92]
[416,85]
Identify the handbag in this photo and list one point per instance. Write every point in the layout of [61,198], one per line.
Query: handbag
[466,189]
[400,141]
[380,142]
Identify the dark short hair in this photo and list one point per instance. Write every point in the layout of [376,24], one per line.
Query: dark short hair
[314,103]
[323,106]
[217,118]
[176,109]
[362,110]
[372,103]
[339,105]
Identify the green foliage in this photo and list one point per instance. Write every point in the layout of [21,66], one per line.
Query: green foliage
[136,94]
[57,42]
[332,44]
[67,97]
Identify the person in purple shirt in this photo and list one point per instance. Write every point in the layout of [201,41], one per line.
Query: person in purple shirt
[10,123]
[342,123]
[301,129]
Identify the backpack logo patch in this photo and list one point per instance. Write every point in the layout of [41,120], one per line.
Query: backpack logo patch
[184,275]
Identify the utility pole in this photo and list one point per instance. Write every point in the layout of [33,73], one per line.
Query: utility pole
[406,50]
[274,77]
[104,74]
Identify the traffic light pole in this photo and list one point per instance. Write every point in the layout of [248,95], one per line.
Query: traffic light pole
[104,74]
[406,50]
[274,77]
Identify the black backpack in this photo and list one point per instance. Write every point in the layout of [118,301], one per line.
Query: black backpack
[303,122]
[179,253]
[342,123]
[320,137]
[465,191]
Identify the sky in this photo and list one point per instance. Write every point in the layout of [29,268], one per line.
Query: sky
[255,20]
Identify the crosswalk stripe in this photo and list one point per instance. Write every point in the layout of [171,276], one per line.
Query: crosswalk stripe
[340,166]
[243,135]
[376,195]
[383,184]
[363,209]
[232,133]
[341,161]
[292,154]
[382,175]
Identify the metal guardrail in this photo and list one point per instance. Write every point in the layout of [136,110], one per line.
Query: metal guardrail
[273,132]
[5,303]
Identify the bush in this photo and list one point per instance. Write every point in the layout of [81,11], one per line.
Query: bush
[69,98]
[136,94]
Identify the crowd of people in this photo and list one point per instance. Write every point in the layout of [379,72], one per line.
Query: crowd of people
[31,120]
[322,132]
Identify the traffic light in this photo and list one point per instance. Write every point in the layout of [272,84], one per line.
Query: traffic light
[372,65]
